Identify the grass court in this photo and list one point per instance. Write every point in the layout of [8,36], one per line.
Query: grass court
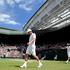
[13,64]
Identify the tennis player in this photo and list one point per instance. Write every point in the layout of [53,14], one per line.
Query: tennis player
[31,49]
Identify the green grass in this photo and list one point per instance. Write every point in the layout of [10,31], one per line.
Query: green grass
[13,64]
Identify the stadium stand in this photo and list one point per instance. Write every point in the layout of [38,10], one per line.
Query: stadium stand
[51,23]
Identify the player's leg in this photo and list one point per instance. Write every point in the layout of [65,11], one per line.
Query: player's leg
[36,57]
[25,63]
[68,57]
[26,58]
[67,60]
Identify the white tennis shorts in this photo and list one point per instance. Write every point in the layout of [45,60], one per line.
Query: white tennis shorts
[68,54]
[31,50]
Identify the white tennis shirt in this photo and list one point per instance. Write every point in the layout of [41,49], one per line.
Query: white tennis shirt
[68,49]
[32,36]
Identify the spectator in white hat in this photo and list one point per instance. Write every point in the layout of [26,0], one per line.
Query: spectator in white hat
[68,52]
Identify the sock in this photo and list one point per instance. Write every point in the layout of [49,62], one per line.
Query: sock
[25,62]
[39,62]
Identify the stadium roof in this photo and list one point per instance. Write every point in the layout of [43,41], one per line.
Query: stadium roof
[53,15]
[10,31]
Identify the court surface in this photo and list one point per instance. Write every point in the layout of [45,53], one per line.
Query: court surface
[13,64]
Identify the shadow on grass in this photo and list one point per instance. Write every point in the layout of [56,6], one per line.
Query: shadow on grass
[28,67]
[17,66]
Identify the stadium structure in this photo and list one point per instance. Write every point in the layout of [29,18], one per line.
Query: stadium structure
[53,15]
[51,23]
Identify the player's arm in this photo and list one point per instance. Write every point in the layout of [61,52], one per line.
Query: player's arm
[33,40]
[30,42]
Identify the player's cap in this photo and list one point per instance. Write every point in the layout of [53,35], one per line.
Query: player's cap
[29,30]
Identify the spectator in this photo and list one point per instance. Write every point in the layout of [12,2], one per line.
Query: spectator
[68,52]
